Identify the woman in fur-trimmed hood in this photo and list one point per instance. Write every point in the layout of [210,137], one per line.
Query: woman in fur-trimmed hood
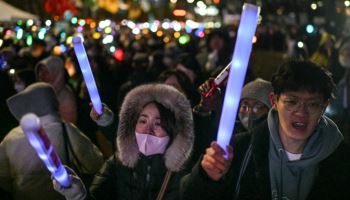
[143,158]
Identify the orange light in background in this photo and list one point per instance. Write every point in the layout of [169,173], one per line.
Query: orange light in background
[179,12]
[56,17]
[93,25]
[159,33]
[145,31]
[57,51]
[177,35]
[69,66]
[166,39]
[216,1]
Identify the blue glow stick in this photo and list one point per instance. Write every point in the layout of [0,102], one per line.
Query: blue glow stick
[87,74]
[37,137]
[239,64]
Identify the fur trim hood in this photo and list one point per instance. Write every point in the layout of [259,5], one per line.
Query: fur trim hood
[180,149]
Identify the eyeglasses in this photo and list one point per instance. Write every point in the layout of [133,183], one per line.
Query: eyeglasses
[254,109]
[312,107]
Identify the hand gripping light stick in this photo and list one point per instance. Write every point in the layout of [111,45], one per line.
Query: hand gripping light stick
[239,63]
[219,80]
[37,137]
[87,73]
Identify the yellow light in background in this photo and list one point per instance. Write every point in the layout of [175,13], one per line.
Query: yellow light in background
[313,6]
[96,35]
[255,39]
[166,39]
[177,35]
[12,71]
[34,28]
[69,40]
[108,30]
[159,33]
[347,3]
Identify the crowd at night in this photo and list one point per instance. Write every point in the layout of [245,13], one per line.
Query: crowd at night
[155,137]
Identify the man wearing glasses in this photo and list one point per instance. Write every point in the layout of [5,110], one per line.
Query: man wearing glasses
[297,154]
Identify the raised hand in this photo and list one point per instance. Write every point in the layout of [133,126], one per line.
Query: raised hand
[214,162]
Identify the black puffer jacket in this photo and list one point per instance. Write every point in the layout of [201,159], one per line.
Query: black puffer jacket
[332,181]
[131,175]
[116,181]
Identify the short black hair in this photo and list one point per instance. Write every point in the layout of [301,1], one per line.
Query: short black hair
[298,75]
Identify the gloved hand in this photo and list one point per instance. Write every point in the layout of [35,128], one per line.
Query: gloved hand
[105,119]
[77,189]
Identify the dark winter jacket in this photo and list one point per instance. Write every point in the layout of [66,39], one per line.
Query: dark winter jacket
[332,181]
[131,175]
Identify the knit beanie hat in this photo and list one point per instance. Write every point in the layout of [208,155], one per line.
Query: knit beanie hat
[259,90]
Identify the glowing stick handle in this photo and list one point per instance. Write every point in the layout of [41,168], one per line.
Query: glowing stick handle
[37,137]
[239,64]
[87,73]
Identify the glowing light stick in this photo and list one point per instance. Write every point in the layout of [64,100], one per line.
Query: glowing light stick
[87,74]
[239,63]
[37,137]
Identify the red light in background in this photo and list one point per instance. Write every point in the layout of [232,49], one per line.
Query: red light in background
[118,54]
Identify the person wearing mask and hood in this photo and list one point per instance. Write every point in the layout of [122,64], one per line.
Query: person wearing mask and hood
[51,70]
[154,142]
[254,104]
[22,172]
[298,153]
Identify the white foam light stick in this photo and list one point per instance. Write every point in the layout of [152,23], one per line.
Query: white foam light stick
[87,73]
[30,124]
[239,64]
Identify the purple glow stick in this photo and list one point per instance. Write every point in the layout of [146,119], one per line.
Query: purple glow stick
[239,63]
[87,73]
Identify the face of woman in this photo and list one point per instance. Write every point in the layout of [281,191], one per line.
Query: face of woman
[149,122]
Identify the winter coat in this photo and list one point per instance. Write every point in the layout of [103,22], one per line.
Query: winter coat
[21,171]
[332,181]
[131,175]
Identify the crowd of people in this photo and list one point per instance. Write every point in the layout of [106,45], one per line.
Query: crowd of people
[155,138]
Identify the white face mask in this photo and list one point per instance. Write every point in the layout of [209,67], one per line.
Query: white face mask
[19,87]
[150,145]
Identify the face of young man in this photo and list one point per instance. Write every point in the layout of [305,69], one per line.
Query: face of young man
[299,112]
